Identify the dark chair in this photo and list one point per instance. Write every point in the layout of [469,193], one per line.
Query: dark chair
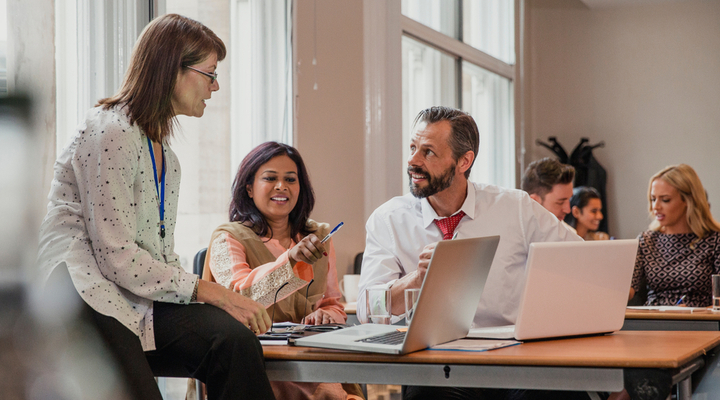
[198,264]
[358,263]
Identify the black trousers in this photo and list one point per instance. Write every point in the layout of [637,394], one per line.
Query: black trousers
[458,393]
[196,341]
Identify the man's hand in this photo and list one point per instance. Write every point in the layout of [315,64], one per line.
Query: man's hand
[308,250]
[425,257]
[413,280]
[319,317]
[250,313]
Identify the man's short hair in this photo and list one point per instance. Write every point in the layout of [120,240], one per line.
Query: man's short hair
[464,136]
[541,175]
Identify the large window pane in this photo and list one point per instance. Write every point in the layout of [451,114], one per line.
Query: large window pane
[429,79]
[253,105]
[488,98]
[3,48]
[441,15]
[488,25]
[202,144]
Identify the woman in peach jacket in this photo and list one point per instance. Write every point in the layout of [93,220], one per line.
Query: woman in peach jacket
[270,250]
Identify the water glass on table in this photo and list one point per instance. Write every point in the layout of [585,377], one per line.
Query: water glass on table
[379,304]
[411,298]
[716,292]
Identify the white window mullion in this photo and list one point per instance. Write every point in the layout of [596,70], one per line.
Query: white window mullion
[261,68]
[94,40]
[456,48]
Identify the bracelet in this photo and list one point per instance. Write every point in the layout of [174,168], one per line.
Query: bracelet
[193,298]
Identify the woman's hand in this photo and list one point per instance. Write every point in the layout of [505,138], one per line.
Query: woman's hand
[250,313]
[319,317]
[308,250]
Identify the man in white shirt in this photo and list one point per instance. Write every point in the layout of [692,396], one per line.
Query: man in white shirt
[402,233]
[550,183]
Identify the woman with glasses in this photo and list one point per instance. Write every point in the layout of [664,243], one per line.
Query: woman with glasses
[272,252]
[681,250]
[109,230]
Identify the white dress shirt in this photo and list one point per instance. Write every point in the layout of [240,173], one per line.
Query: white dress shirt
[103,223]
[398,231]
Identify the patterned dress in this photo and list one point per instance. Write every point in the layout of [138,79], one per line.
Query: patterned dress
[677,265]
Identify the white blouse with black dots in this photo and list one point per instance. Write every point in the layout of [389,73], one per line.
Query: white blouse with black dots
[103,223]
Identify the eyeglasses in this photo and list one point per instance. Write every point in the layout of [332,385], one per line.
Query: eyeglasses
[212,76]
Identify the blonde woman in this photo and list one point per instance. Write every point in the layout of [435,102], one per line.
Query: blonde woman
[681,249]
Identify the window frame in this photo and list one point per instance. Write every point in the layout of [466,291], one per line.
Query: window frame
[462,51]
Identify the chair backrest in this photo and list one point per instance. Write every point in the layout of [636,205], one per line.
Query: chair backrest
[199,262]
[358,263]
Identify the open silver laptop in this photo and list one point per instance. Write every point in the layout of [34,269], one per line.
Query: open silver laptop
[571,289]
[445,309]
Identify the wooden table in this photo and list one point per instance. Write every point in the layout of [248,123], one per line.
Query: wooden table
[675,320]
[589,364]
[708,384]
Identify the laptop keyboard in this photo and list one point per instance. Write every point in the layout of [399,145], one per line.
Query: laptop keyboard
[395,337]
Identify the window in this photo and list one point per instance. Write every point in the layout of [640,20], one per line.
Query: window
[93,43]
[253,105]
[461,54]
[3,48]
[94,40]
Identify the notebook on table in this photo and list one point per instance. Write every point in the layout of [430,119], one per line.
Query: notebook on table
[571,289]
[445,309]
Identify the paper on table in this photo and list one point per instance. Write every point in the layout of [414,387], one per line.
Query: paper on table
[274,342]
[475,344]
[667,308]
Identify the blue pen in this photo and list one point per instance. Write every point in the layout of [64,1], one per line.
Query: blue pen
[681,299]
[332,232]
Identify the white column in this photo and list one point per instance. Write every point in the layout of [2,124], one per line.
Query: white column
[31,71]
[383,102]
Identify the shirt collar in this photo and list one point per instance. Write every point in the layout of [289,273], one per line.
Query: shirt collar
[468,207]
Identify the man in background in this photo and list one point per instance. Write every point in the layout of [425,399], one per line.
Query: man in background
[550,183]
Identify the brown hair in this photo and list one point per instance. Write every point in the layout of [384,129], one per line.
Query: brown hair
[167,43]
[242,207]
[464,136]
[541,175]
[686,181]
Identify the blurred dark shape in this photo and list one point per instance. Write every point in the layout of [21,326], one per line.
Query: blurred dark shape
[588,171]
[46,351]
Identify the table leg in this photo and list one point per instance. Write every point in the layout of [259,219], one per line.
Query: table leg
[684,389]
[708,379]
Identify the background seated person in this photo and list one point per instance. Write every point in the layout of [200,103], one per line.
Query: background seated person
[586,213]
[270,240]
[682,242]
[550,183]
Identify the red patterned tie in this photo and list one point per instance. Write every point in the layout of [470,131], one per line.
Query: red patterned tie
[447,225]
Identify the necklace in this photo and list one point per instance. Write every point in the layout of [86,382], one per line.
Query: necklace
[159,186]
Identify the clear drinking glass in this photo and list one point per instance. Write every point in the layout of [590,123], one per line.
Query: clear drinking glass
[411,298]
[379,304]
[716,292]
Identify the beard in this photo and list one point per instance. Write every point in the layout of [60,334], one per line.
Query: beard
[435,184]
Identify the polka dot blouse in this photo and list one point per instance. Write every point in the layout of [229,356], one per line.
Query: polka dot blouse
[677,265]
[103,223]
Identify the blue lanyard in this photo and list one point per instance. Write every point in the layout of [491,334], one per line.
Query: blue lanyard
[160,190]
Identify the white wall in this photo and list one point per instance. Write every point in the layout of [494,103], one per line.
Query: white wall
[330,120]
[644,78]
